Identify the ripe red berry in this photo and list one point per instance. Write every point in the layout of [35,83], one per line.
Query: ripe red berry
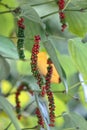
[61,4]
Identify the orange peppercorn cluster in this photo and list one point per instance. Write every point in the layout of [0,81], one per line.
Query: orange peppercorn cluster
[61,5]
[49,93]
[20,42]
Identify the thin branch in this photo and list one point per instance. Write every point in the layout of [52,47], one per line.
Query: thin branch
[58,116]
[79,10]
[8,11]
[29,128]
[16,10]
[8,126]
[5,5]
[66,10]
[63,91]
[49,14]
[28,105]
[74,97]
[76,85]
[66,4]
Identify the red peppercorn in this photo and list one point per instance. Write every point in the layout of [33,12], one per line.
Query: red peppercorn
[17,94]
[34,68]
[40,119]
[63,27]
[20,23]
[49,93]
[61,5]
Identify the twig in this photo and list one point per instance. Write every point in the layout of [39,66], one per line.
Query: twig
[5,5]
[16,10]
[8,126]
[58,116]
[74,97]
[66,10]
[29,128]
[62,91]
[66,4]
[79,10]
[8,11]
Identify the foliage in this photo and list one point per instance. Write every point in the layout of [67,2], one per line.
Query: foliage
[54,29]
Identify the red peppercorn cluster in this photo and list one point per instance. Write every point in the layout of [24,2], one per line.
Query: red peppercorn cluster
[61,5]
[45,87]
[18,106]
[20,42]
[34,68]
[21,87]
[49,93]
[20,23]
[40,119]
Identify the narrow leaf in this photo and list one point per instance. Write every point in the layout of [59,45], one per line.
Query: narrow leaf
[8,109]
[52,53]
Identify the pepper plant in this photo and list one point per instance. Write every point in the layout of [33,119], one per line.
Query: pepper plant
[43,61]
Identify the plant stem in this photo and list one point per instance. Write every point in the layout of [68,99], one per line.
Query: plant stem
[58,116]
[63,91]
[30,128]
[8,11]
[16,10]
[79,10]
[75,85]
[74,97]
[5,5]
[8,126]
[55,12]
[66,4]
[49,14]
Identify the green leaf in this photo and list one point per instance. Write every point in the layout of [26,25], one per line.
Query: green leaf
[77,19]
[7,48]
[24,67]
[30,13]
[59,109]
[52,53]
[33,2]
[47,9]
[78,52]
[4,68]
[31,30]
[8,109]
[73,120]
[7,20]
[70,70]
[60,43]
[31,81]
